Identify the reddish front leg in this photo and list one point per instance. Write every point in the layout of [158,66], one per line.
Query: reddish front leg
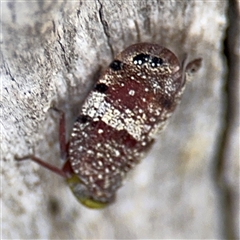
[66,170]
[43,164]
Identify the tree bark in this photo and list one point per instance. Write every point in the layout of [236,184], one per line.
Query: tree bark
[51,54]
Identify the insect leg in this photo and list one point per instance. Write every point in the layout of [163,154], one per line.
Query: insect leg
[43,164]
[62,134]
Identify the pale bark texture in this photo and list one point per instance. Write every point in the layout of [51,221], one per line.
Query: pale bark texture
[52,53]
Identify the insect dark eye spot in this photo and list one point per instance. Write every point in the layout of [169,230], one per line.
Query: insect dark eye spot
[141,59]
[116,65]
[156,62]
[83,119]
[101,87]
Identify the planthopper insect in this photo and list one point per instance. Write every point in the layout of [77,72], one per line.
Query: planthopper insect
[129,104]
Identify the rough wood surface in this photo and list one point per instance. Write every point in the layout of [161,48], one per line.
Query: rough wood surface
[51,54]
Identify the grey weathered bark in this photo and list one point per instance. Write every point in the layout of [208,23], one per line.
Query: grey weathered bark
[51,54]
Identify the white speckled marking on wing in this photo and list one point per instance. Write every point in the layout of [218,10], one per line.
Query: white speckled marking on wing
[97,108]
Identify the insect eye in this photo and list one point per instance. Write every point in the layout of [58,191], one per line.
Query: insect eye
[141,59]
[116,65]
[156,62]
[153,62]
